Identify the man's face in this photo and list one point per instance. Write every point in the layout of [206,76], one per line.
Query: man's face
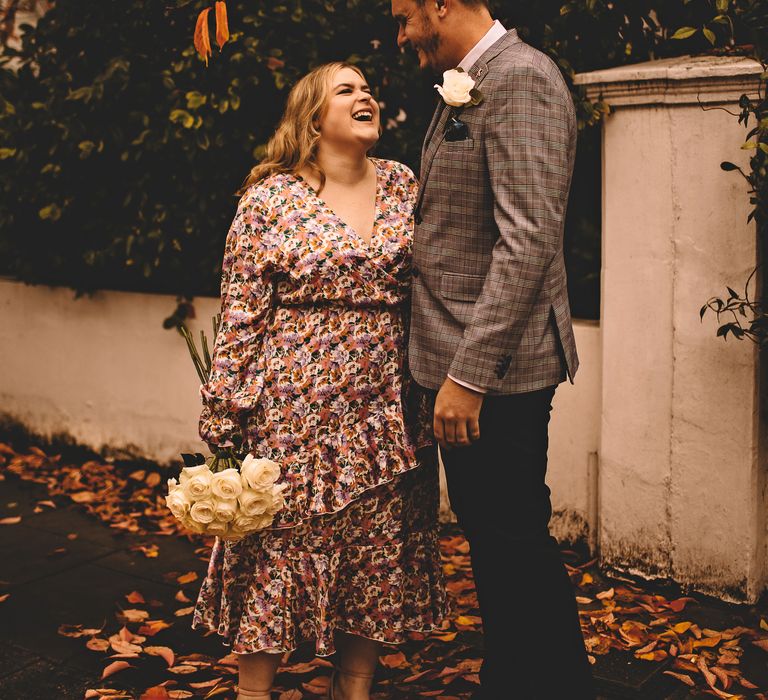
[417,27]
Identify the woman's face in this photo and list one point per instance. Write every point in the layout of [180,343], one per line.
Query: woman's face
[351,116]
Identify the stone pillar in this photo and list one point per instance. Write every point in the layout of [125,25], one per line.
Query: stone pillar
[681,471]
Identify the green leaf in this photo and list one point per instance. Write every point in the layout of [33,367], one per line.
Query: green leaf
[7,153]
[711,38]
[726,165]
[684,33]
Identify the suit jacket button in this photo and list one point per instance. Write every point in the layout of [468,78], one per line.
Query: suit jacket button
[415,271]
[417,218]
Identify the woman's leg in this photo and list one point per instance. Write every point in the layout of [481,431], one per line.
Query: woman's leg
[257,674]
[358,657]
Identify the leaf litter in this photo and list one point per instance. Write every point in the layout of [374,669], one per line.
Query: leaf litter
[445,664]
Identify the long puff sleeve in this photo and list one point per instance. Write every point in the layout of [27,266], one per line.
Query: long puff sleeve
[234,385]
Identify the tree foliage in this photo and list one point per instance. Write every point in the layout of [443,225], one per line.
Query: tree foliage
[120,152]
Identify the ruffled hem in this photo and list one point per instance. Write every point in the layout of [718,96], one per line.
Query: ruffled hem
[289,596]
[373,569]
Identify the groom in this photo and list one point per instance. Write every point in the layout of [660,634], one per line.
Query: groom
[491,327]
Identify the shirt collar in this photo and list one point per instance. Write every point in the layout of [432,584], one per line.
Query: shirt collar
[495,33]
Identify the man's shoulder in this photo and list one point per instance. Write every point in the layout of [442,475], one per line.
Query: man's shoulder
[521,57]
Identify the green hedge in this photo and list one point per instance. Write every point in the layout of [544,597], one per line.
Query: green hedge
[120,152]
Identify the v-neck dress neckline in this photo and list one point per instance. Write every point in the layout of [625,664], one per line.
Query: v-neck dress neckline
[368,245]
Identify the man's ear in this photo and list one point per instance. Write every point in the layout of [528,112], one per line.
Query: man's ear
[440,6]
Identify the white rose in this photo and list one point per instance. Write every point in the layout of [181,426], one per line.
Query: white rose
[259,473]
[190,524]
[254,503]
[278,499]
[225,511]
[456,88]
[176,501]
[202,511]
[243,524]
[215,528]
[196,481]
[227,484]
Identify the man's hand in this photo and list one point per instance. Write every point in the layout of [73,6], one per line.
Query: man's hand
[457,415]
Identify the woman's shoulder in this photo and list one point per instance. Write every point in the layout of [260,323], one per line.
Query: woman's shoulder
[266,188]
[396,170]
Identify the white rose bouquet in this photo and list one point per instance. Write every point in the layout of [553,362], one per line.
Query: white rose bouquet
[223,495]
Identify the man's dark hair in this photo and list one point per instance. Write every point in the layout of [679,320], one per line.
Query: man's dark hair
[467,3]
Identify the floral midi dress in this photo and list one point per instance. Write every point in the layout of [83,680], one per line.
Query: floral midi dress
[309,367]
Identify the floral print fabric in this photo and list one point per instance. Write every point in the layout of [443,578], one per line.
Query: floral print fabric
[309,367]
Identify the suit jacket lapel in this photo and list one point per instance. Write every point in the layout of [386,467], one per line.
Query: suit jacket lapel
[436,130]
[439,109]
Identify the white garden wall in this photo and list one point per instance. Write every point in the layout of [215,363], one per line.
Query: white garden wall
[104,371]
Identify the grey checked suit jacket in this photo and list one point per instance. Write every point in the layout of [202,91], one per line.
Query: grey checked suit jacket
[490,302]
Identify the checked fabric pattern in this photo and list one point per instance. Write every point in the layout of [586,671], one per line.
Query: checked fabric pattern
[490,301]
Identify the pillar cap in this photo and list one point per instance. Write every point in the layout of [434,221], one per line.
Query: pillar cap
[679,80]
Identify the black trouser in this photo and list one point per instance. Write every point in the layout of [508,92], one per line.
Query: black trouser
[533,642]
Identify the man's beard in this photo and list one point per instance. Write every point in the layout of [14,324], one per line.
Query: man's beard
[430,44]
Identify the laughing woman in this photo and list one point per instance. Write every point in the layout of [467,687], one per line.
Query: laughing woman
[308,366]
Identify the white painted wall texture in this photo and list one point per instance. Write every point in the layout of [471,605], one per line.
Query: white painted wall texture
[103,370]
[681,470]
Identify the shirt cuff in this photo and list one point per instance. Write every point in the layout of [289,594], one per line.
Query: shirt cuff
[467,385]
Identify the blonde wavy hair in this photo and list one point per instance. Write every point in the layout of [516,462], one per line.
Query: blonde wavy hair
[293,146]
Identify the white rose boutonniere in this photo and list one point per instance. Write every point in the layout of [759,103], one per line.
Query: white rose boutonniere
[458,89]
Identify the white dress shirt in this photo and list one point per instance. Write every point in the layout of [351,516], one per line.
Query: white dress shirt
[495,33]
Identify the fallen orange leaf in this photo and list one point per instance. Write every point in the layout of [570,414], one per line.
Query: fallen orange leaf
[291,695]
[135,597]
[214,681]
[396,660]
[165,653]
[82,496]
[185,611]
[133,615]
[187,578]
[681,677]
[114,667]
[182,669]
[97,644]
[157,692]
[152,627]
[13,520]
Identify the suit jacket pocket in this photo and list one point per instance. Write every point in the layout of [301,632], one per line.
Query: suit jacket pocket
[460,287]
